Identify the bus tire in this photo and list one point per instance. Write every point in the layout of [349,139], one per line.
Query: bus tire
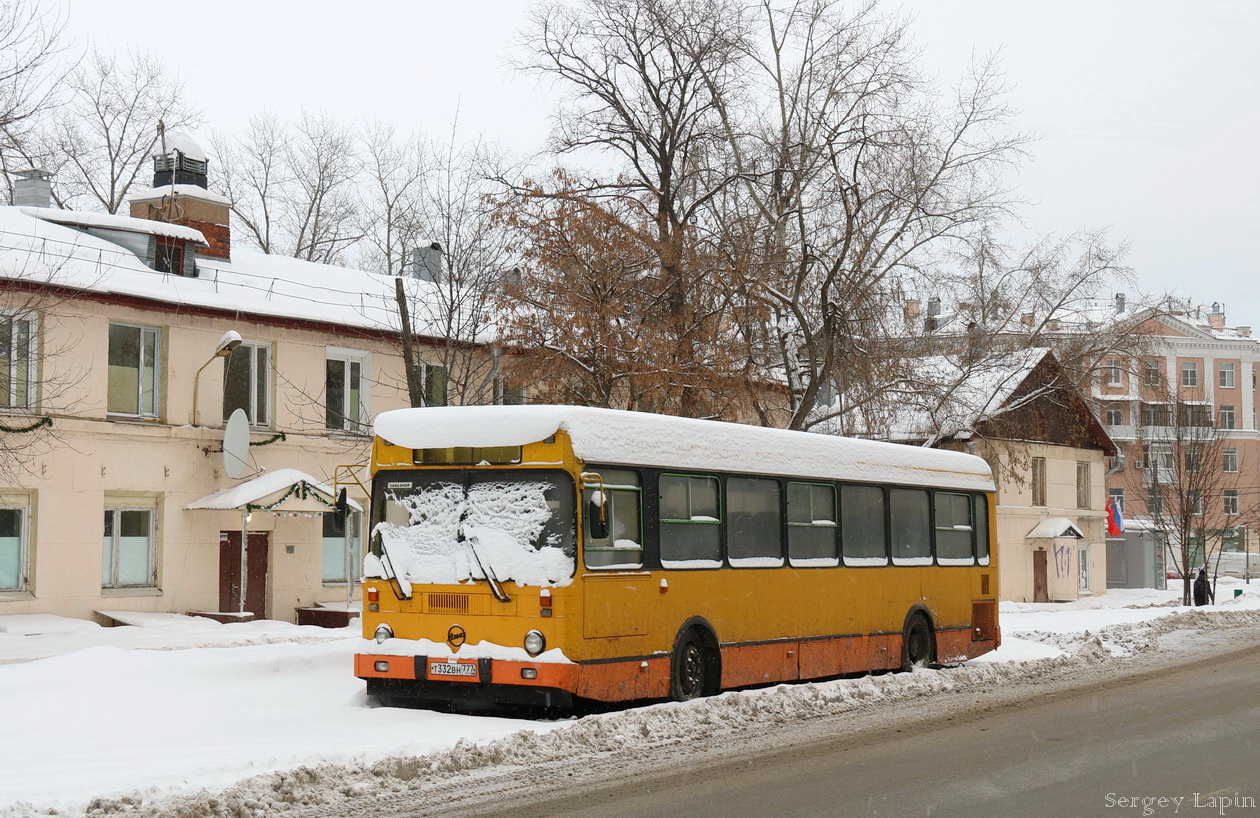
[695,668]
[918,643]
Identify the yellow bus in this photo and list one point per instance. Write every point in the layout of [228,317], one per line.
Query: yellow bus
[545,554]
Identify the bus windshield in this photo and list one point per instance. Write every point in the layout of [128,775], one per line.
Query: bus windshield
[460,525]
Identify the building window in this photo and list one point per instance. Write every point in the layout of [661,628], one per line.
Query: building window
[133,370]
[1194,414]
[1229,459]
[1194,458]
[1114,377]
[168,255]
[345,391]
[334,540]
[1155,502]
[1152,374]
[17,357]
[1227,376]
[1115,415]
[1116,496]
[1231,501]
[13,560]
[1227,417]
[506,395]
[1038,481]
[1194,501]
[247,383]
[1082,485]
[1190,374]
[1156,414]
[128,558]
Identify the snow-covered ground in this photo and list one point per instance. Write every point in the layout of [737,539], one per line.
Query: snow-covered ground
[163,716]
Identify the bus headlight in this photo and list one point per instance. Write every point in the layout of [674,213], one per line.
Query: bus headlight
[383,632]
[535,643]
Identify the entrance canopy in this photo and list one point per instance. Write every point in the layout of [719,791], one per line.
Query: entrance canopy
[283,490]
[1055,527]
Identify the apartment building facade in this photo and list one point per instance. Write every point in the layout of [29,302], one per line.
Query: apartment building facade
[128,342]
[1183,414]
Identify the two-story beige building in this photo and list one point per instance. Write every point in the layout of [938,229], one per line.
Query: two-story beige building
[129,342]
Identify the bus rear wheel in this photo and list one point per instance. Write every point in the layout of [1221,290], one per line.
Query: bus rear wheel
[917,643]
[694,669]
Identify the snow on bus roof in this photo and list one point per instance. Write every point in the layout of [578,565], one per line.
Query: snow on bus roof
[637,438]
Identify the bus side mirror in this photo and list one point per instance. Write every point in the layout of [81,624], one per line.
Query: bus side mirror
[597,516]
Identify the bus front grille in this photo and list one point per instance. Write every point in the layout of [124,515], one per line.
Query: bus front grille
[439,603]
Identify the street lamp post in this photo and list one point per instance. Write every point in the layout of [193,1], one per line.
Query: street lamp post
[230,341]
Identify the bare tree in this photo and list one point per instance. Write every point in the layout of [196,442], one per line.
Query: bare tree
[644,75]
[40,384]
[30,38]
[859,179]
[293,187]
[450,210]
[1186,478]
[99,141]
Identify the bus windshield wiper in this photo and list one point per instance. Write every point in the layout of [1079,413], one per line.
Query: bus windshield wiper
[495,587]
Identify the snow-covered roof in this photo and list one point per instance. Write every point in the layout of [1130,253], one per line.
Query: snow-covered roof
[270,488]
[642,439]
[109,221]
[945,396]
[1054,527]
[182,142]
[39,250]
[191,191]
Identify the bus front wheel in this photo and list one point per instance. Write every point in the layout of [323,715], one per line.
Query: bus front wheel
[694,670]
[917,643]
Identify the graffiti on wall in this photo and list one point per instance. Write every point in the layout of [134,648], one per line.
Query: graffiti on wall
[1062,560]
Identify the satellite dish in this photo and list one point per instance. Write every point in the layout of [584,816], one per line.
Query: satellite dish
[236,444]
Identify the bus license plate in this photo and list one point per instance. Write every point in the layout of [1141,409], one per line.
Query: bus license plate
[443,669]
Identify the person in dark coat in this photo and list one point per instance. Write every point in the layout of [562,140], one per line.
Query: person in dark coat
[1203,589]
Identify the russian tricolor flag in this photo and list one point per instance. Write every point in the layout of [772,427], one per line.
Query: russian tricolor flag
[1115,523]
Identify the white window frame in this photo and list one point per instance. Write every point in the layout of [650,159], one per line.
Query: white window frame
[1227,376]
[1152,374]
[155,386]
[1116,496]
[1190,374]
[1229,459]
[1231,502]
[24,566]
[1114,376]
[1228,417]
[1115,415]
[349,357]
[110,572]
[16,371]
[254,400]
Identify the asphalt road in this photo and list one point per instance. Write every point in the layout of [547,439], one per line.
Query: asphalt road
[1190,732]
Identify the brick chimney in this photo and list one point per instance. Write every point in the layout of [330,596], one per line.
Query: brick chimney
[1216,318]
[180,196]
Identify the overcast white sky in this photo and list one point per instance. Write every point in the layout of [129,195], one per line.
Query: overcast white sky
[1146,111]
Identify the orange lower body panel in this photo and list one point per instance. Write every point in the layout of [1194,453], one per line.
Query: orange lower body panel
[640,678]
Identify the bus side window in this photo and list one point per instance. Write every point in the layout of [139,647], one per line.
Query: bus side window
[955,533]
[620,544]
[982,528]
[862,525]
[690,525]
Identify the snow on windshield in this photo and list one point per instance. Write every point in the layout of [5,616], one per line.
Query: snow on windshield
[442,533]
